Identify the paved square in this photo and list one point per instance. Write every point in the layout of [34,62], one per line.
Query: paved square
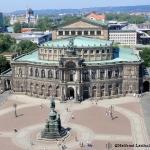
[89,123]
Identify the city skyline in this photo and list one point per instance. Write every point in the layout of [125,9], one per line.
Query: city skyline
[46,4]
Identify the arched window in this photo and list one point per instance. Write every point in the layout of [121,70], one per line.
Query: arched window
[57,74]
[50,74]
[102,91]
[36,73]
[42,73]
[109,74]
[20,72]
[85,75]
[116,73]
[102,74]
[31,72]
[93,74]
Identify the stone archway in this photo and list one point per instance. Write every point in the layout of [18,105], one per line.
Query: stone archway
[7,84]
[146,86]
[70,92]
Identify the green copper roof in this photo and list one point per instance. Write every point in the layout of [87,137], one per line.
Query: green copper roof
[33,58]
[78,41]
[122,55]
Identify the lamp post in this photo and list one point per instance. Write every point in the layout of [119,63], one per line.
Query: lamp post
[141,90]
[15,108]
[109,146]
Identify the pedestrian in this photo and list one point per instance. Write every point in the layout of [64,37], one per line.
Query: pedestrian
[15,130]
[81,144]
[72,116]
[96,102]
[109,112]
[106,114]
[67,109]
[76,139]
[41,106]
[111,115]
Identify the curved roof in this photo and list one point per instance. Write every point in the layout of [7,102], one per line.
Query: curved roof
[78,41]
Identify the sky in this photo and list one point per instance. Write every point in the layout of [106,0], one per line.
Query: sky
[12,5]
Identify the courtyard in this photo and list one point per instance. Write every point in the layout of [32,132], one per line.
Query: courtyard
[90,124]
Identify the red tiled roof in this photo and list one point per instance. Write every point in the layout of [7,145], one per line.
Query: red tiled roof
[96,16]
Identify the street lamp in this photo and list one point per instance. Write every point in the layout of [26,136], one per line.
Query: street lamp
[15,107]
[108,146]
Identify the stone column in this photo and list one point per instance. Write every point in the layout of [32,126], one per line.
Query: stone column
[78,75]
[106,74]
[82,32]
[113,89]
[76,93]
[63,33]
[70,33]
[76,32]
[98,91]
[106,90]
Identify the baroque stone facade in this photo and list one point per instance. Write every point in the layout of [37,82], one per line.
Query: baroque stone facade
[79,68]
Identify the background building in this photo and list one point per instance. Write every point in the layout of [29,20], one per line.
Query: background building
[83,27]
[95,16]
[1,20]
[28,18]
[35,37]
[123,37]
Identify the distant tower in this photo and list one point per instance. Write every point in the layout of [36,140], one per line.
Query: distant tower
[29,15]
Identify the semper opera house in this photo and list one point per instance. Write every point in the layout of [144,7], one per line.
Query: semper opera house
[79,66]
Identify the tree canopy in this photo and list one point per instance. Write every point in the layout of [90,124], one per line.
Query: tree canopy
[5,42]
[25,46]
[145,55]
[17,27]
[126,17]
[4,64]
[44,23]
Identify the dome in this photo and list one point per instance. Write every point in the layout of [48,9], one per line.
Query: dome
[30,11]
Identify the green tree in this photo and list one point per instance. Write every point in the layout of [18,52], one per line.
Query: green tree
[25,46]
[145,55]
[44,23]
[4,64]
[126,17]
[5,42]
[17,27]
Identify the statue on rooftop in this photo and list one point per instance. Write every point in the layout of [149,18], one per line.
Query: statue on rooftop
[71,47]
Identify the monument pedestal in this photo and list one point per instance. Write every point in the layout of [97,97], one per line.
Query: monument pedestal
[53,128]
